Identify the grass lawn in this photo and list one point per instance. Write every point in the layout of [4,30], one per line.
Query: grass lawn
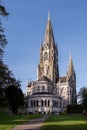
[9,121]
[65,122]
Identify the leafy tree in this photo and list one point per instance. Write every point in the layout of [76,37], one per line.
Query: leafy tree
[7,80]
[3,41]
[82,96]
[3,11]
[3,67]
[6,76]
[10,92]
[15,97]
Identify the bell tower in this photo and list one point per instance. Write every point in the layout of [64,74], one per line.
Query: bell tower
[48,65]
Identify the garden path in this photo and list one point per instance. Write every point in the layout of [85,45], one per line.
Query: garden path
[34,124]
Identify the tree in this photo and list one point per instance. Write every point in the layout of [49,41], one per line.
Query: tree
[6,76]
[10,92]
[3,11]
[3,41]
[82,96]
[3,67]
[15,97]
[7,80]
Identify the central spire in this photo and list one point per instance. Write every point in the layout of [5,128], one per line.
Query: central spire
[48,15]
[49,37]
[48,65]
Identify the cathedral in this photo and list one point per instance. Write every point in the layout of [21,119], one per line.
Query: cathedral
[50,93]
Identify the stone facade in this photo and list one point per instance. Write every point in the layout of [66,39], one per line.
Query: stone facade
[50,93]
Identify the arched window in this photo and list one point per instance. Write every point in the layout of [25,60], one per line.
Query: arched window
[26,104]
[34,89]
[48,88]
[31,103]
[34,103]
[56,103]
[45,102]
[48,103]
[47,70]
[45,56]
[43,88]
[38,88]
[42,103]
[37,103]
[53,103]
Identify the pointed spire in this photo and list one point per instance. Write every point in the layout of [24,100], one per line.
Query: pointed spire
[70,66]
[41,47]
[49,37]
[70,56]
[48,15]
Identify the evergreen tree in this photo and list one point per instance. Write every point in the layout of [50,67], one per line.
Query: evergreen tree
[82,96]
[15,97]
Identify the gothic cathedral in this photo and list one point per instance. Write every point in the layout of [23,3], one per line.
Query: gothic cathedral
[50,93]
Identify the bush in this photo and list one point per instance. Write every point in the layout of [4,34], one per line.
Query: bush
[75,109]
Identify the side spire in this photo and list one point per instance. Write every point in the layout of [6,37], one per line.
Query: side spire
[70,66]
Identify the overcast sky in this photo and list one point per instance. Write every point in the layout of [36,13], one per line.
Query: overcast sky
[25,30]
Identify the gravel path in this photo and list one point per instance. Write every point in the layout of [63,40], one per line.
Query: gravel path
[34,124]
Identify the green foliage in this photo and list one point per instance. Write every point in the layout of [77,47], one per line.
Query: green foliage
[65,122]
[3,11]
[3,41]
[3,99]
[15,97]
[6,76]
[3,67]
[82,96]
[74,108]
[7,80]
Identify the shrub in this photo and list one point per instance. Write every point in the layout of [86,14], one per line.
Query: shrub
[75,109]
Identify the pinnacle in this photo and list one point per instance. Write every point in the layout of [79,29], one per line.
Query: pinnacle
[70,67]
[48,15]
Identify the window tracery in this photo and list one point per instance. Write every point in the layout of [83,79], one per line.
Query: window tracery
[45,56]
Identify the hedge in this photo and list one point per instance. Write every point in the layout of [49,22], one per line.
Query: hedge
[75,109]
